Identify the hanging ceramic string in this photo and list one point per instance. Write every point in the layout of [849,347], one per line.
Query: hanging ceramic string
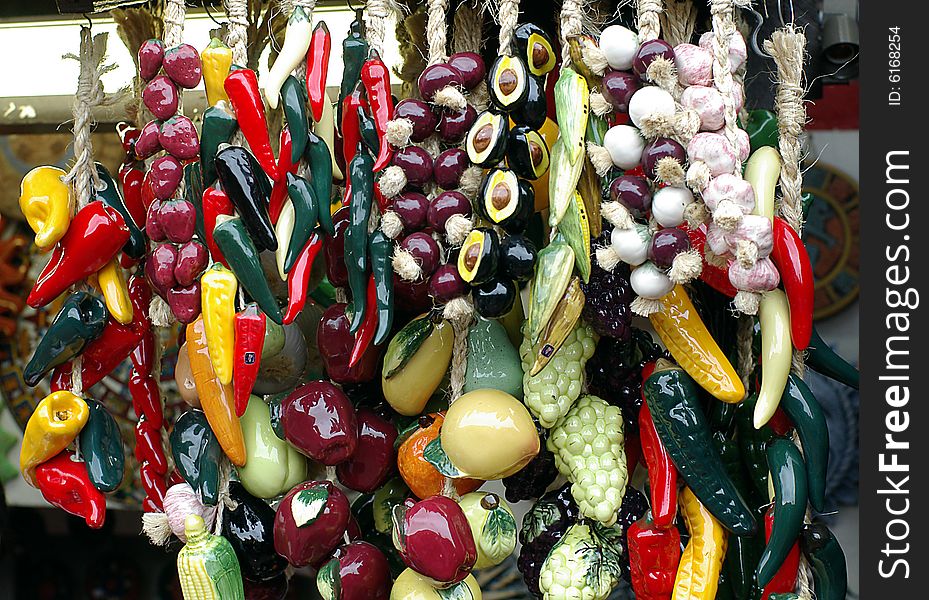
[82,177]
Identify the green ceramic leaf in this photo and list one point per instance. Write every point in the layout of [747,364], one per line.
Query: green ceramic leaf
[563,176]
[308,504]
[405,343]
[459,591]
[328,581]
[596,129]
[572,107]
[553,270]
[498,536]
[543,514]
[398,532]
[386,498]
[436,456]
[575,226]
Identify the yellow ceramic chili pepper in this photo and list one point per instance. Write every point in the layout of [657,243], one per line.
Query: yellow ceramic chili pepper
[702,559]
[217,60]
[218,287]
[54,424]
[216,399]
[776,354]
[683,333]
[46,203]
[762,171]
[112,282]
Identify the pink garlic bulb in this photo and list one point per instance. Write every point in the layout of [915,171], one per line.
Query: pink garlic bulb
[755,229]
[181,501]
[714,150]
[709,105]
[738,52]
[760,277]
[694,64]
[732,188]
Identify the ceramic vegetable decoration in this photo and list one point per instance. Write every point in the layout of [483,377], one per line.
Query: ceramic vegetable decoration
[409,302]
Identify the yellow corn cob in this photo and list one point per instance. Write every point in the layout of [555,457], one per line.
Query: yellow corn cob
[218,287]
[112,282]
[702,559]
[683,333]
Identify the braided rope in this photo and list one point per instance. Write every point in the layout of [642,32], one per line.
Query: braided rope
[377,12]
[723,30]
[436,32]
[507,17]
[649,22]
[237,30]
[174,15]
[572,24]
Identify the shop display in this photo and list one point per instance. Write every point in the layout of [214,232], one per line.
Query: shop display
[387,300]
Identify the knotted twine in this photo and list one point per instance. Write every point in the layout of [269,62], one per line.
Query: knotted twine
[572,24]
[649,23]
[82,176]
[237,30]
[507,19]
[376,14]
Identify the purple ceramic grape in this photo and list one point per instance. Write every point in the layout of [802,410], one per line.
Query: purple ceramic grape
[182,64]
[448,168]
[661,148]
[416,164]
[618,87]
[446,283]
[454,124]
[632,192]
[179,137]
[420,115]
[435,77]
[446,205]
[665,245]
[148,142]
[648,52]
[164,176]
[161,97]
[471,66]
[151,55]
[412,208]
[424,249]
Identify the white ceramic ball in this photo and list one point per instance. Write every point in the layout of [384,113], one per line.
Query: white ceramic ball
[649,101]
[625,145]
[668,205]
[631,245]
[619,46]
[648,281]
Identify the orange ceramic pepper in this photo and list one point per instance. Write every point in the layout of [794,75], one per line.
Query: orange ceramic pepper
[217,400]
[54,424]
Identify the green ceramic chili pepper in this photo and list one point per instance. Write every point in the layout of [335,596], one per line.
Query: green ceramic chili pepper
[380,247]
[354,54]
[761,127]
[822,549]
[752,446]
[193,193]
[109,194]
[807,416]
[361,174]
[822,359]
[102,448]
[319,159]
[274,405]
[368,131]
[788,475]
[81,319]
[218,127]
[293,100]
[787,596]
[674,402]
[233,240]
[197,454]
[306,211]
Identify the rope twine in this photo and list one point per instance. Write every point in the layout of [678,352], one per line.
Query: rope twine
[678,21]
[787,47]
[225,501]
[459,311]
[174,15]
[436,33]
[467,34]
[723,30]
[648,19]
[376,14]
[572,24]
[237,30]
[507,18]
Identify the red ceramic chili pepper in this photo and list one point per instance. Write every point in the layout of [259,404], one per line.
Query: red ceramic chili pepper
[376,79]
[242,87]
[284,165]
[662,475]
[299,277]
[249,342]
[317,69]
[64,483]
[153,484]
[95,235]
[148,446]
[146,399]
[143,356]
[382,200]
[131,179]
[149,506]
[368,327]
[654,554]
[715,277]
[215,203]
[793,263]
[351,130]
[785,580]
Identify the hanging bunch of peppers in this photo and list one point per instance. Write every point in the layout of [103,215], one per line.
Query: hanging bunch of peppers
[550,224]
